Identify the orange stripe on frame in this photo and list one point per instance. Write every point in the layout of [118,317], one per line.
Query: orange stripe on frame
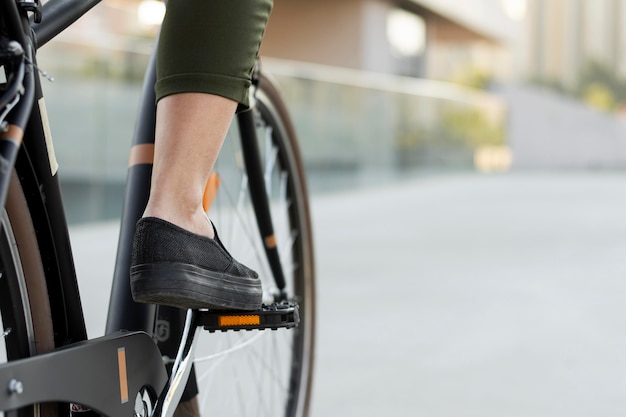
[141,154]
[15,133]
[270,242]
[210,191]
[121,363]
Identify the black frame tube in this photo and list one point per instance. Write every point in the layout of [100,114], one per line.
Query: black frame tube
[258,194]
[124,313]
[41,190]
[57,16]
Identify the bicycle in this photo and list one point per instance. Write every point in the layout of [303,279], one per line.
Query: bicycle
[50,367]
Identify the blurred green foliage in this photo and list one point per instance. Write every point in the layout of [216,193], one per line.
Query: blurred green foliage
[599,86]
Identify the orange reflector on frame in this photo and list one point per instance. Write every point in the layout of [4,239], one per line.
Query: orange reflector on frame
[210,191]
[121,363]
[244,320]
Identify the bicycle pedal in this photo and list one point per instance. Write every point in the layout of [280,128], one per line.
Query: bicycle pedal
[273,316]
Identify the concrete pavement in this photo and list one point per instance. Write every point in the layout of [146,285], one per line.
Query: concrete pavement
[457,296]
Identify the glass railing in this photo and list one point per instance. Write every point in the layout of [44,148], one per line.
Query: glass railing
[358,128]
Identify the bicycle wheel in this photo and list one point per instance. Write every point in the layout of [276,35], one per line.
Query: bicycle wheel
[263,373]
[24,305]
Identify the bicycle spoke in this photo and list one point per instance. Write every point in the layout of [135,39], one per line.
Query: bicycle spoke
[230,350]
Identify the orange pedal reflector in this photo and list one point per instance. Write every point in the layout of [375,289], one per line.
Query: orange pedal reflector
[210,191]
[273,316]
[243,320]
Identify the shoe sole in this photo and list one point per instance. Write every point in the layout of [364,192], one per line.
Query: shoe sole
[190,287]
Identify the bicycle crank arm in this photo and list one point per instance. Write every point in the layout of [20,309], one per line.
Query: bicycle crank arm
[104,374]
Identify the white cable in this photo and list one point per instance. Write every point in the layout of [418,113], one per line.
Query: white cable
[232,349]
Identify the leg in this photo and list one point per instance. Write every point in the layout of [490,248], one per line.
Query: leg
[205,57]
[190,131]
[198,89]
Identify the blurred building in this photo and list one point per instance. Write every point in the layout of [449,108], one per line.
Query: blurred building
[578,48]
[563,36]
[425,38]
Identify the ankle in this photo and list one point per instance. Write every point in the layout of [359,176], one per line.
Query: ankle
[194,221]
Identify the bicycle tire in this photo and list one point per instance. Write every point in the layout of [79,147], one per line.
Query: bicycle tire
[24,301]
[270,372]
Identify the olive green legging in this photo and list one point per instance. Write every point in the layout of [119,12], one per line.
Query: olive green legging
[210,46]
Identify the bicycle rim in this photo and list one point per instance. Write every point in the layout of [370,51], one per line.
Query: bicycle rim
[26,325]
[262,373]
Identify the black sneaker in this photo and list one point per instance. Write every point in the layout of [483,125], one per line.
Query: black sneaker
[174,267]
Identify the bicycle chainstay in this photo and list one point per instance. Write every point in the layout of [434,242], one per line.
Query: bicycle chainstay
[273,316]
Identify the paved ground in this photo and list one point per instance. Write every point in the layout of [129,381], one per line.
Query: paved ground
[458,296]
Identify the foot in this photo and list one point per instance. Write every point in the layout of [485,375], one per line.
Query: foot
[172,266]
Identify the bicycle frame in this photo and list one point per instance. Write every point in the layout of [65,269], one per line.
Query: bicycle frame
[36,168]
[130,358]
[127,354]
